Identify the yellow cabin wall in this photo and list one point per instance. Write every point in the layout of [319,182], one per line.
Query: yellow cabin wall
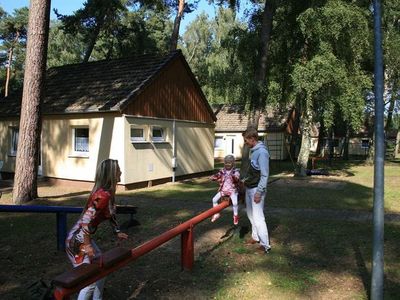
[5,144]
[145,161]
[58,159]
[109,137]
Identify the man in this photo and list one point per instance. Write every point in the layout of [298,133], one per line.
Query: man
[255,181]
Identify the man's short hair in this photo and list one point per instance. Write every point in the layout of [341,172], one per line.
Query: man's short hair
[250,132]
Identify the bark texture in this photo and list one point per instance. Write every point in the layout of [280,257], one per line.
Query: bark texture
[26,170]
[304,154]
[257,103]
[177,24]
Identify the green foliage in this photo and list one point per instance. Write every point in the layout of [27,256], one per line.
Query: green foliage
[64,48]
[212,50]
[330,72]
[95,18]
[114,30]
[13,32]
[139,32]
[391,48]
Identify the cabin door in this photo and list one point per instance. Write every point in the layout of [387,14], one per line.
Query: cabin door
[230,144]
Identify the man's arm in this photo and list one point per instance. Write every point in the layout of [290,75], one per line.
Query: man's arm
[263,163]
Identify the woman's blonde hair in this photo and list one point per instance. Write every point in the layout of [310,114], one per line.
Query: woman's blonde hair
[107,179]
[106,176]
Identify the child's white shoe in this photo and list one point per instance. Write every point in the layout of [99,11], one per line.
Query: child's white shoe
[215,217]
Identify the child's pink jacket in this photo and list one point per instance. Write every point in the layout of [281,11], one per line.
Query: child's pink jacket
[228,181]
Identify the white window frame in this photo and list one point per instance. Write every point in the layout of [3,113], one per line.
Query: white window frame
[222,138]
[138,139]
[14,140]
[80,153]
[158,139]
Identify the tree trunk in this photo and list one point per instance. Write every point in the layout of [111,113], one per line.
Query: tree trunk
[397,146]
[26,170]
[320,146]
[389,120]
[92,42]
[266,30]
[177,24]
[254,118]
[345,147]
[295,131]
[8,72]
[261,71]
[371,151]
[260,74]
[304,154]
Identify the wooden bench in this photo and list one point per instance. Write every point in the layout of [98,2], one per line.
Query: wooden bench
[314,160]
[78,275]
[128,209]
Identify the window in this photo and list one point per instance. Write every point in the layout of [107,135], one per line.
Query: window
[158,134]
[80,140]
[365,143]
[219,142]
[14,140]
[137,134]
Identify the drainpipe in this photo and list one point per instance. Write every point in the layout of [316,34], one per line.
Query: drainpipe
[173,162]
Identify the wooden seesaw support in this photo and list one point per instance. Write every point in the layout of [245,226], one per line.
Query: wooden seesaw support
[74,280]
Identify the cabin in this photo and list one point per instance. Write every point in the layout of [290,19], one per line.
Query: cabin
[147,111]
[273,128]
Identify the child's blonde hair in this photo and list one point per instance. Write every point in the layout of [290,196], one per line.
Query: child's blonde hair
[229,158]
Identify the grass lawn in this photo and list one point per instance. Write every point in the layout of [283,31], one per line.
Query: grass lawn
[312,258]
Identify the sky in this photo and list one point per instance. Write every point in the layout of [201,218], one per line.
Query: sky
[66,7]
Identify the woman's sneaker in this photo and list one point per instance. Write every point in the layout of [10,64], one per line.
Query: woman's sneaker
[235,220]
[215,217]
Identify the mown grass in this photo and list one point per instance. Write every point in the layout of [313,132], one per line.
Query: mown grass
[312,257]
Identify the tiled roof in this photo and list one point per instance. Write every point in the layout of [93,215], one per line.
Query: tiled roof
[234,118]
[105,85]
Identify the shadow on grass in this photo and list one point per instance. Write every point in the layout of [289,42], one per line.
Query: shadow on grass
[309,257]
[223,239]
[319,193]
[68,195]
[362,269]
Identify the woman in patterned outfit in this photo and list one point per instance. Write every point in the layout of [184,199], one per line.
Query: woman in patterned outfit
[228,179]
[80,246]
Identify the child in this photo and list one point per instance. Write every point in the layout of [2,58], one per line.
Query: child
[228,179]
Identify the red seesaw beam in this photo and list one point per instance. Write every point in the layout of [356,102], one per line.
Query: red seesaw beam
[187,250]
